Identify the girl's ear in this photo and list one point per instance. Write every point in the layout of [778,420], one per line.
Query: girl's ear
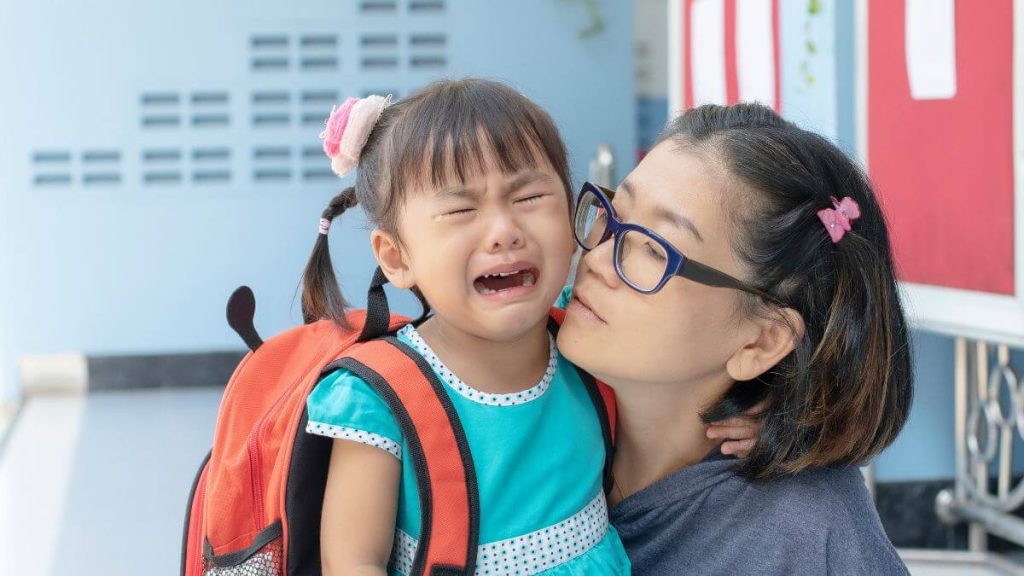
[774,340]
[392,259]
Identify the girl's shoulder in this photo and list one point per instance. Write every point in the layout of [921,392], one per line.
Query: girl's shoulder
[343,406]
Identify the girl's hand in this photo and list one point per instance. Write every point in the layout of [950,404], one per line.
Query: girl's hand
[739,432]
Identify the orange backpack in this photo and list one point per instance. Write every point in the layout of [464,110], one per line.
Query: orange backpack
[254,508]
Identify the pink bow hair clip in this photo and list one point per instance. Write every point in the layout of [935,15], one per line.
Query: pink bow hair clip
[837,220]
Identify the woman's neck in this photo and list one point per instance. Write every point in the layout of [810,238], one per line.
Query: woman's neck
[487,365]
[659,431]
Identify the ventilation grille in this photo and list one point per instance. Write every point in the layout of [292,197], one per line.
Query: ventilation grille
[51,168]
[271,164]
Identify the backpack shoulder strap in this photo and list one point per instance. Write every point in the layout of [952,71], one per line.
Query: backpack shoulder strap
[603,399]
[445,475]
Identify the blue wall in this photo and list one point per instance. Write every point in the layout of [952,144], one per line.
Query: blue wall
[157,155]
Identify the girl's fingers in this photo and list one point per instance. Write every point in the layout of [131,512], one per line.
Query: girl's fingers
[741,421]
[739,448]
[742,432]
[756,410]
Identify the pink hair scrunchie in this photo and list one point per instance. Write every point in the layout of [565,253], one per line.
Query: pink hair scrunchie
[348,128]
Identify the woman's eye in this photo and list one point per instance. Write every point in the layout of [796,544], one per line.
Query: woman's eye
[654,251]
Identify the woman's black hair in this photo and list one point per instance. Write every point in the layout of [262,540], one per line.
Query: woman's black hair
[845,391]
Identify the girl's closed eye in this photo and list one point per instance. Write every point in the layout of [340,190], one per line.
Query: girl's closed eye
[457,213]
[531,198]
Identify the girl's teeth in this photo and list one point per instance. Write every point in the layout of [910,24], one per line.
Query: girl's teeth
[528,279]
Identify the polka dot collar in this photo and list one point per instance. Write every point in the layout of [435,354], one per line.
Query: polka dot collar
[470,393]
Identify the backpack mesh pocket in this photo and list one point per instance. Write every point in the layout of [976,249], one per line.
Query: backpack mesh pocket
[264,558]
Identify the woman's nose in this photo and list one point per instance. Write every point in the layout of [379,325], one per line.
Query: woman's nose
[600,262]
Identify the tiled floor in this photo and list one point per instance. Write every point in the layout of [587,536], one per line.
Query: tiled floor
[96,485]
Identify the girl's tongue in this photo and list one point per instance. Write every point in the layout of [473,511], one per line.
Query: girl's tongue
[497,282]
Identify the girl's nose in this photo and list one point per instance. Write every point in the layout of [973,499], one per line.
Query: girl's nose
[503,233]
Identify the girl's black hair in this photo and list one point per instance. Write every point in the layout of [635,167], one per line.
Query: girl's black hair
[844,393]
[440,134]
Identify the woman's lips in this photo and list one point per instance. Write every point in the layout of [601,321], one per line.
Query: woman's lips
[579,308]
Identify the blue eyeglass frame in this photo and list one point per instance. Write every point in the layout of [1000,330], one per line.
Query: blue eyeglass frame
[677,265]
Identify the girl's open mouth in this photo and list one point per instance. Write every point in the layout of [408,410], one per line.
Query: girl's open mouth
[506,283]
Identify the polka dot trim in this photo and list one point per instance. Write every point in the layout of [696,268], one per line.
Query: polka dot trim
[465,390]
[531,553]
[361,436]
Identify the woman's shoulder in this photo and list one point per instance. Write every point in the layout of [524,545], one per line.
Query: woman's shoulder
[816,496]
[833,504]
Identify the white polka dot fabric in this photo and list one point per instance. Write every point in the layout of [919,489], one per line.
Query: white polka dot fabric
[530,553]
[361,436]
[473,394]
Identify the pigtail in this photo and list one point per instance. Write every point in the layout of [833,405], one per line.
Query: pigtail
[321,295]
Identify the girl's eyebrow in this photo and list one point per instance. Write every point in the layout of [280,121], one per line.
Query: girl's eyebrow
[672,217]
[515,182]
[524,178]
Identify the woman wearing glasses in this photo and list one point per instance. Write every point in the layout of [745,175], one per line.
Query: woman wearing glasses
[743,261]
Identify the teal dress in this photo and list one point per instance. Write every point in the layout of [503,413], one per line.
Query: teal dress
[539,457]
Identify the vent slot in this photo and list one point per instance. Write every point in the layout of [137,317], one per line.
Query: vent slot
[211,176]
[379,63]
[274,41]
[272,175]
[426,6]
[101,179]
[209,98]
[161,121]
[379,41]
[328,97]
[55,179]
[319,63]
[101,156]
[162,177]
[432,62]
[51,157]
[265,98]
[275,153]
[159,99]
[211,154]
[275,120]
[210,120]
[378,6]
[324,41]
[318,174]
[165,155]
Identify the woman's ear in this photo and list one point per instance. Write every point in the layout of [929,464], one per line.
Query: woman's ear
[392,259]
[773,340]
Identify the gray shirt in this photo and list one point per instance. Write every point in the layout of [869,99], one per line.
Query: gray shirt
[706,519]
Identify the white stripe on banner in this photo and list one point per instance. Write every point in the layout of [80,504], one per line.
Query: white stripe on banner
[707,52]
[931,48]
[755,51]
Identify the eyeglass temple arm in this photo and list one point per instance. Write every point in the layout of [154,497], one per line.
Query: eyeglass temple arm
[709,276]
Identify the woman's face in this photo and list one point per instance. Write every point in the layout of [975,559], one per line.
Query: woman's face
[686,331]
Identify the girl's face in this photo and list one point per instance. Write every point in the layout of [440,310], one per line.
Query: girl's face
[686,331]
[490,253]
